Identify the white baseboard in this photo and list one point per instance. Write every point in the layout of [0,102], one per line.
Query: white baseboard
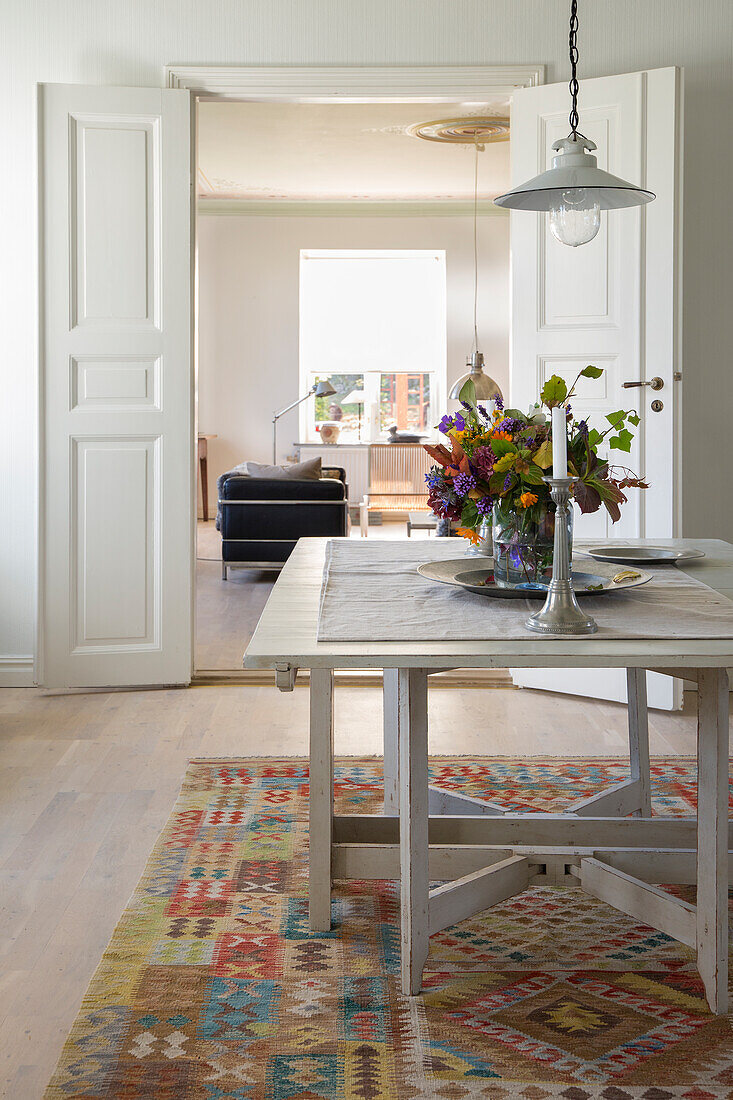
[16,672]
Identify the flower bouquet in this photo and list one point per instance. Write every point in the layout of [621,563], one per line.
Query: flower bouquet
[493,466]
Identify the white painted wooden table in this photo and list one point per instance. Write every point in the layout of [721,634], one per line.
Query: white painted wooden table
[489,855]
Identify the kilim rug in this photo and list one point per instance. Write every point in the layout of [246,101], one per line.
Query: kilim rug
[213,987]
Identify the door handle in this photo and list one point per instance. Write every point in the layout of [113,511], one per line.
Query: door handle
[654,384]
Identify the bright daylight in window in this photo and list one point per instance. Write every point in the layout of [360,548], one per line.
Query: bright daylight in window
[373,322]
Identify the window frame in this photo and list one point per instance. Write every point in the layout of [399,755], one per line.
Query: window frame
[371,431]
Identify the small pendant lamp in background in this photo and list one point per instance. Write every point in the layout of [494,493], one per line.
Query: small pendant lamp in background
[484,385]
[477,131]
[575,189]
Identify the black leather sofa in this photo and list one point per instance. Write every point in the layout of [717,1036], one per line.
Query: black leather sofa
[263,518]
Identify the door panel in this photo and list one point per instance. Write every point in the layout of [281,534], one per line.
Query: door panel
[117,387]
[598,303]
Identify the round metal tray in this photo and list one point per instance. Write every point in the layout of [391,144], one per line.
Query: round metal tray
[641,555]
[480,579]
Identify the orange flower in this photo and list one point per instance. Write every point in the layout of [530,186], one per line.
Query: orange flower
[527,499]
[502,435]
[468,533]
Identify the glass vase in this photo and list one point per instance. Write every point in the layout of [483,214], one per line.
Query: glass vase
[483,547]
[523,545]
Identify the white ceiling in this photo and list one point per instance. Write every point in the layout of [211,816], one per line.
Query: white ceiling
[342,152]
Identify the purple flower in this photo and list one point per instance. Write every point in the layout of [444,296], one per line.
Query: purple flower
[499,402]
[510,424]
[446,424]
[507,481]
[483,410]
[483,506]
[459,423]
[483,461]
[515,557]
[445,504]
[463,483]
[434,480]
[583,428]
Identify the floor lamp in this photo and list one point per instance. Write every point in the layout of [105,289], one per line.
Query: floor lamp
[320,389]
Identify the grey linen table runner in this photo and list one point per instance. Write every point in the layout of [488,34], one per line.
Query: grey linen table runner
[372,592]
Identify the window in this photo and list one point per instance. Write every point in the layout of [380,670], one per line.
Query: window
[372,322]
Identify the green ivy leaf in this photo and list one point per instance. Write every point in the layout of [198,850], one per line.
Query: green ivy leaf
[502,447]
[534,475]
[554,391]
[594,437]
[617,419]
[634,418]
[505,463]
[496,483]
[543,457]
[591,372]
[468,393]
[469,514]
[622,441]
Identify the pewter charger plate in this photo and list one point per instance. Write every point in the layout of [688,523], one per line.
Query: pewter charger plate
[641,555]
[480,579]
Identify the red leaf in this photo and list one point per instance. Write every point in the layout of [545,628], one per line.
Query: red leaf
[439,453]
[588,498]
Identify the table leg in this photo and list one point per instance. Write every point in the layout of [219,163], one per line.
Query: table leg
[391,750]
[639,737]
[320,827]
[412,718]
[712,835]
[633,795]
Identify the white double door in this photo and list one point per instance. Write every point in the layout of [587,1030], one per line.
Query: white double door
[612,303]
[116,386]
[117,379]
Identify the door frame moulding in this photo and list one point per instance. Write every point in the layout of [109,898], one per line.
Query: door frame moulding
[353,84]
[339,84]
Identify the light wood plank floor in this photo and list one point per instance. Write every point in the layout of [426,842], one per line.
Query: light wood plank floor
[227,612]
[87,782]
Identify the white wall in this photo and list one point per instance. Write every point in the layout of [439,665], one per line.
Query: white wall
[100,42]
[248,316]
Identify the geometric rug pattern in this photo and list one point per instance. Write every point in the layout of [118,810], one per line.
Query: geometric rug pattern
[214,988]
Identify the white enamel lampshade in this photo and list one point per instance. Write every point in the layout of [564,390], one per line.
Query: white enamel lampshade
[574,167]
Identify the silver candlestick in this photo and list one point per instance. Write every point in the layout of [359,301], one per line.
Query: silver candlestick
[561,613]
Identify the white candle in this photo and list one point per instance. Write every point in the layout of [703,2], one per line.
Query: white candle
[559,443]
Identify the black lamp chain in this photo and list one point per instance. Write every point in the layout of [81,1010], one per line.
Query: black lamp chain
[573,49]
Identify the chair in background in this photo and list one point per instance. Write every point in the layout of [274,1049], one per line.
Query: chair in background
[263,518]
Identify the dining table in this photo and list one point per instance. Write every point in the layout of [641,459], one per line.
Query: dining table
[455,855]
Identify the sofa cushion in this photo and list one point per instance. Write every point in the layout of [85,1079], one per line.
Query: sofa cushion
[309,470]
[281,489]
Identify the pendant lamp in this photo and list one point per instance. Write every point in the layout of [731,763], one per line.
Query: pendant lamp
[478,131]
[575,189]
[484,385]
